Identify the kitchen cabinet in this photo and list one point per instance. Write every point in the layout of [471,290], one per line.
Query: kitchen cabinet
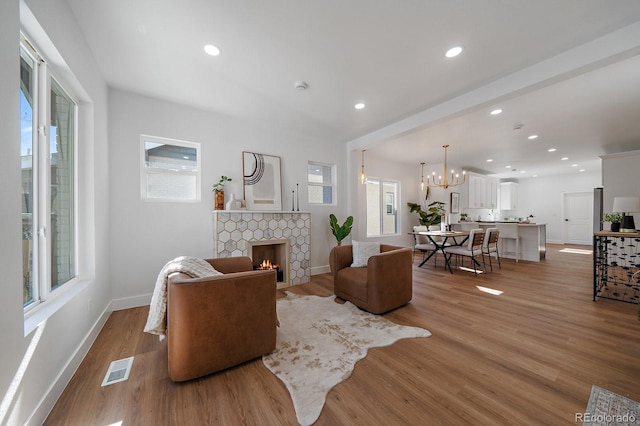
[508,196]
[492,193]
[483,192]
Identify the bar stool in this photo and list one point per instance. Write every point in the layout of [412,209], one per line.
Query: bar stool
[509,231]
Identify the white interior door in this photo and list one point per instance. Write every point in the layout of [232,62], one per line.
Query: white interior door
[578,218]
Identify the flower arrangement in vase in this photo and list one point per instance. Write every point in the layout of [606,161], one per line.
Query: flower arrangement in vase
[218,192]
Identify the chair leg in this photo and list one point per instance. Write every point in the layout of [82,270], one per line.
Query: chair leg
[473,260]
[490,264]
[498,256]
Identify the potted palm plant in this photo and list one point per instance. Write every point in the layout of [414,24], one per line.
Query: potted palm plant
[433,215]
[340,231]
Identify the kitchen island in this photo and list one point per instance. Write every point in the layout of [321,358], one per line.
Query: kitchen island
[533,239]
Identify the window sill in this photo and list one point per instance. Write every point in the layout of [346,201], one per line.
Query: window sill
[42,312]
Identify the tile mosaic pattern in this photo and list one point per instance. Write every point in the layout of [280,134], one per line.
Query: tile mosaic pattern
[233,230]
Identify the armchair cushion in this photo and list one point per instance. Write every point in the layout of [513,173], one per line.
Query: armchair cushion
[362,251]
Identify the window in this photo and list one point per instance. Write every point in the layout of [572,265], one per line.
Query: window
[47,153]
[321,180]
[170,169]
[382,208]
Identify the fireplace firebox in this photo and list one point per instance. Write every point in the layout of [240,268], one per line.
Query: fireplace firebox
[271,254]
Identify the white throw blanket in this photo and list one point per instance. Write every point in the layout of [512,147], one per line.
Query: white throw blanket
[192,266]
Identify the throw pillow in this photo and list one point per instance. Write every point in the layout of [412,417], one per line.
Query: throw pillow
[362,252]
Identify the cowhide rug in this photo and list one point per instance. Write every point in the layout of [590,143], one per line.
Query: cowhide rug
[319,342]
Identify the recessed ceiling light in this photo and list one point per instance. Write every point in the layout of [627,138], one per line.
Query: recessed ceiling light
[453,52]
[535,175]
[359,105]
[522,171]
[489,160]
[583,170]
[574,165]
[212,50]
[533,137]
[564,158]
[507,167]
[551,150]
[496,111]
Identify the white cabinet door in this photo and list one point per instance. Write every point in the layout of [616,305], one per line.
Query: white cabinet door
[508,196]
[492,193]
[477,192]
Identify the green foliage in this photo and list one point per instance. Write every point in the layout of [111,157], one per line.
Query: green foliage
[340,232]
[612,217]
[433,215]
[220,185]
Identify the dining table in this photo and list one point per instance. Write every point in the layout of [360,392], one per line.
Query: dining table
[440,239]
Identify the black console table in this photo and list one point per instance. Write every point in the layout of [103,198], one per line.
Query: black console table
[616,266]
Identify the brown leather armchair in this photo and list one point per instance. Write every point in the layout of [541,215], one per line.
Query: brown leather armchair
[384,284]
[217,322]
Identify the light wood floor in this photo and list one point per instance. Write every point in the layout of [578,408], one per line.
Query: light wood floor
[528,356]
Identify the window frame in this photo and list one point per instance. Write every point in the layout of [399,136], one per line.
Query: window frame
[333,185]
[146,171]
[42,231]
[383,205]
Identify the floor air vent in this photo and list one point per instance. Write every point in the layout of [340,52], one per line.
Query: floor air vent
[118,371]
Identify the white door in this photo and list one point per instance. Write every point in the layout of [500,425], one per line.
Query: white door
[578,218]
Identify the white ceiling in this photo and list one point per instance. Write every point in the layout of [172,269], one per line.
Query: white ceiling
[566,70]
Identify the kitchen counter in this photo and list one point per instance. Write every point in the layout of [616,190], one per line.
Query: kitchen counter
[533,239]
[501,221]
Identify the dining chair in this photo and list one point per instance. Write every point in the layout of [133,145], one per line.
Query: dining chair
[471,249]
[421,242]
[490,245]
[509,231]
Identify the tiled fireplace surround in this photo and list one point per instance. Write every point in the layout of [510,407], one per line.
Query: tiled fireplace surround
[234,232]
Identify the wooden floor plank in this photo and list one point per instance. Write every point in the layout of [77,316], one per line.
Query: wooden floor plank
[527,356]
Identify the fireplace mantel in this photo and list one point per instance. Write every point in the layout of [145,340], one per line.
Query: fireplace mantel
[234,229]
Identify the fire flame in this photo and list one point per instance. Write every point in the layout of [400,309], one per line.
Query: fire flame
[266,264]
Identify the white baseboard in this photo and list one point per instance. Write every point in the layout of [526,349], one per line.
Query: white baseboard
[320,270]
[50,398]
[131,302]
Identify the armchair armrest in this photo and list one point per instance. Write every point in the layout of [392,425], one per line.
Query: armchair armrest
[227,265]
[340,257]
[390,277]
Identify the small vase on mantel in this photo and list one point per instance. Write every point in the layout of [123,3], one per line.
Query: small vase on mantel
[218,197]
[231,204]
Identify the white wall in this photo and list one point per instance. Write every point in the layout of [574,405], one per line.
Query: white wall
[543,197]
[146,235]
[13,342]
[40,364]
[621,175]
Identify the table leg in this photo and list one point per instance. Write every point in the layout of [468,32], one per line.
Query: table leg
[427,258]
